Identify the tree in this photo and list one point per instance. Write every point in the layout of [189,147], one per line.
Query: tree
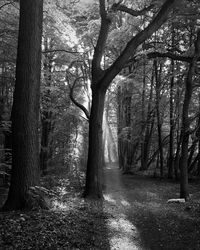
[25,111]
[185,131]
[101,79]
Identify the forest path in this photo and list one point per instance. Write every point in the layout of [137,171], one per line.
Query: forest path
[142,219]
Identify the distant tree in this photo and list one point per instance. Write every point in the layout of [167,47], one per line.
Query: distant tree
[25,111]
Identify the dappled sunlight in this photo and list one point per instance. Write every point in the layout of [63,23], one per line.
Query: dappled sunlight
[108,198]
[60,206]
[62,191]
[125,203]
[124,234]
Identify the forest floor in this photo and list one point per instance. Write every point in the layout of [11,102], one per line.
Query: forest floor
[134,215]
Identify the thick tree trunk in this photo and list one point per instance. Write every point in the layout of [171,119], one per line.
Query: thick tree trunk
[25,112]
[93,187]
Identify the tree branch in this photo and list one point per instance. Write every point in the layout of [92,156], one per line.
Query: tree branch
[132,45]
[130,11]
[79,105]
[61,50]
[170,55]
[101,42]
[5,4]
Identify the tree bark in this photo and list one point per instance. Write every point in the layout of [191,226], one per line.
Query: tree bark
[171,134]
[148,131]
[93,188]
[25,111]
[159,124]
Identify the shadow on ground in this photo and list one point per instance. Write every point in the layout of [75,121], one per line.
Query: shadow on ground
[71,223]
[141,203]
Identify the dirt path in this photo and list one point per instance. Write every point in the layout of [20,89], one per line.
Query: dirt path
[141,217]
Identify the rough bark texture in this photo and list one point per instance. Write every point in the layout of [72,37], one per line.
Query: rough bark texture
[25,112]
[93,188]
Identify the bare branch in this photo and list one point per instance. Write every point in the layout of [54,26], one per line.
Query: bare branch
[5,4]
[71,95]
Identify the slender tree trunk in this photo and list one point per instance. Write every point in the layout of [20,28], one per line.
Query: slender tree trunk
[185,137]
[46,116]
[178,135]
[148,131]
[143,153]
[198,163]
[184,193]
[25,112]
[192,150]
[171,135]
[45,139]
[198,136]
[93,188]
[159,125]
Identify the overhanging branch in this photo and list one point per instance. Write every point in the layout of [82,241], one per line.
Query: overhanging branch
[123,8]
[170,55]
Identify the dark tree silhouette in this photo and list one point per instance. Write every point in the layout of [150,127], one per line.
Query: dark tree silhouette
[25,111]
[101,80]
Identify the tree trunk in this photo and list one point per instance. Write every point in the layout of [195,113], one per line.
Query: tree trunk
[185,136]
[44,152]
[25,112]
[147,137]
[93,188]
[184,193]
[171,135]
[101,80]
[159,125]
[46,113]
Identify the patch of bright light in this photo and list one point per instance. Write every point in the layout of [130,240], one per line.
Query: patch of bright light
[122,225]
[62,190]
[108,198]
[125,235]
[125,203]
[122,243]
[59,205]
